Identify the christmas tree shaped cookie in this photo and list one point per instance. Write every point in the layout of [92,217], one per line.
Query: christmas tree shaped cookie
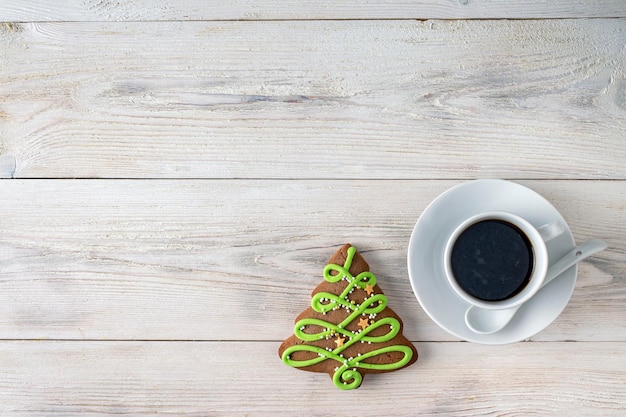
[348,330]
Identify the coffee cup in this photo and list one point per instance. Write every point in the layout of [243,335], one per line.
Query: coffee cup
[498,260]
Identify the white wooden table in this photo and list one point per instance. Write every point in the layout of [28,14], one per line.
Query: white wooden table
[177,173]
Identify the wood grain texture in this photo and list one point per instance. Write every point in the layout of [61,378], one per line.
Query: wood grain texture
[260,136]
[142,10]
[200,379]
[237,260]
[315,99]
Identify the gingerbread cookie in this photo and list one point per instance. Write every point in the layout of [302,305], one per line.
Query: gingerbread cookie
[348,331]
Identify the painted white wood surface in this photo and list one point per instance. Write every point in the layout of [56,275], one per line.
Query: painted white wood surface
[260,143]
[237,260]
[141,10]
[315,99]
[247,379]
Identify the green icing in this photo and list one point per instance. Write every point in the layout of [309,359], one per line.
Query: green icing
[346,375]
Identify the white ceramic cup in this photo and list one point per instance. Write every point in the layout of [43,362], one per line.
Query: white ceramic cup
[537,236]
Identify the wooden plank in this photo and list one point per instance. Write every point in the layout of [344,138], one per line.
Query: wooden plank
[144,10]
[200,379]
[315,99]
[217,260]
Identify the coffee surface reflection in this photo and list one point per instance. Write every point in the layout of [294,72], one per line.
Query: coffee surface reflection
[492,260]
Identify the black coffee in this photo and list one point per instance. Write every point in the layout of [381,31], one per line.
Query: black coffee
[492,260]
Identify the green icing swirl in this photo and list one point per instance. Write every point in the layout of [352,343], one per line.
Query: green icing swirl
[346,375]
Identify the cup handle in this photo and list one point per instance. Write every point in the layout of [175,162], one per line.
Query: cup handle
[551,230]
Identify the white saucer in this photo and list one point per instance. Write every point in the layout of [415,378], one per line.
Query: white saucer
[425,258]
